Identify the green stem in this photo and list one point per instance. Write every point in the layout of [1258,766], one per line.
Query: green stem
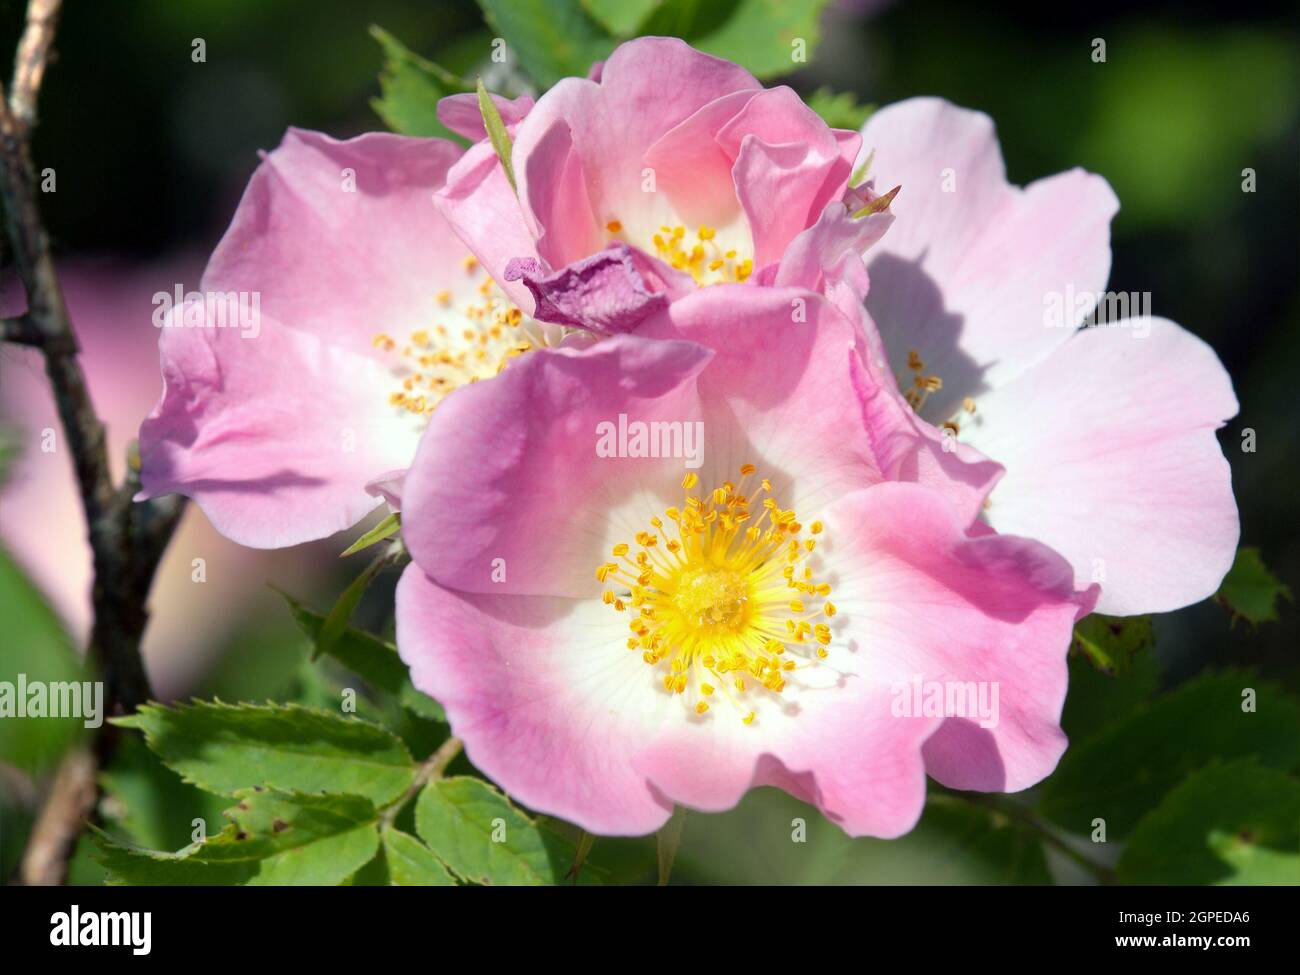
[431,768]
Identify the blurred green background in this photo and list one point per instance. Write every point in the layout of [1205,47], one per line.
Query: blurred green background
[153,150]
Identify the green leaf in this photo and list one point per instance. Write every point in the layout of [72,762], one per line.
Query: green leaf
[552,39]
[387,528]
[1096,699]
[839,110]
[411,88]
[1236,823]
[622,18]
[225,748]
[482,837]
[1127,769]
[496,130]
[273,839]
[1110,643]
[667,841]
[1250,591]
[374,660]
[761,35]
[34,648]
[149,803]
[410,864]
[336,623]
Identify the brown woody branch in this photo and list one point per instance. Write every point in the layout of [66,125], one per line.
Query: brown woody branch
[127,539]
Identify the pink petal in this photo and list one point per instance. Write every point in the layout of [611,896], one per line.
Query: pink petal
[539,692]
[923,599]
[962,276]
[342,265]
[789,165]
[1112,460]
[275,430]
[481,207]
[551,178]
[647,87]
[602,293]
[482,489]
[836,235]
[275,437]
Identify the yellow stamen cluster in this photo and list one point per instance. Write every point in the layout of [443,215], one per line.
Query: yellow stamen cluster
[434,361]
[698,254]
[720,596]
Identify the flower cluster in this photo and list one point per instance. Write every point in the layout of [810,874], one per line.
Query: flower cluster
[903,474]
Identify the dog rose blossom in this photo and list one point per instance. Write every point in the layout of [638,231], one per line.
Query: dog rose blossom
[1107,433]
[369,311]
[614,627]
[670,170]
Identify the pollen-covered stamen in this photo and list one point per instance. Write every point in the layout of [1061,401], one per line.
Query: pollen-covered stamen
[721,597]
[469,342]
[699,254]
[918,390]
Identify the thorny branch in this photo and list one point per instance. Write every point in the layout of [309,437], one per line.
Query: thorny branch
[127,539]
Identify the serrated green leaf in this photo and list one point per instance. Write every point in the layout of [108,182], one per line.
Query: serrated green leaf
[482,836]
[150,803]
[411,88]
[374,660]
[839,110]
[1126,769]
[410,864]
[1111,643]
[273,839]
[552,39]
[496,130]
[225,748]
[387,528]
[761,35]
[1235,823]
[622,18]
[1250,591]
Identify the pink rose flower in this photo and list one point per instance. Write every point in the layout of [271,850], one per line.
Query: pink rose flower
[670,170]
[358,310]
[679,564]
[1107,434]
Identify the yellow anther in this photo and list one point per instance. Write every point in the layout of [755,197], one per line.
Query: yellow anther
[709,599]
[614,227]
